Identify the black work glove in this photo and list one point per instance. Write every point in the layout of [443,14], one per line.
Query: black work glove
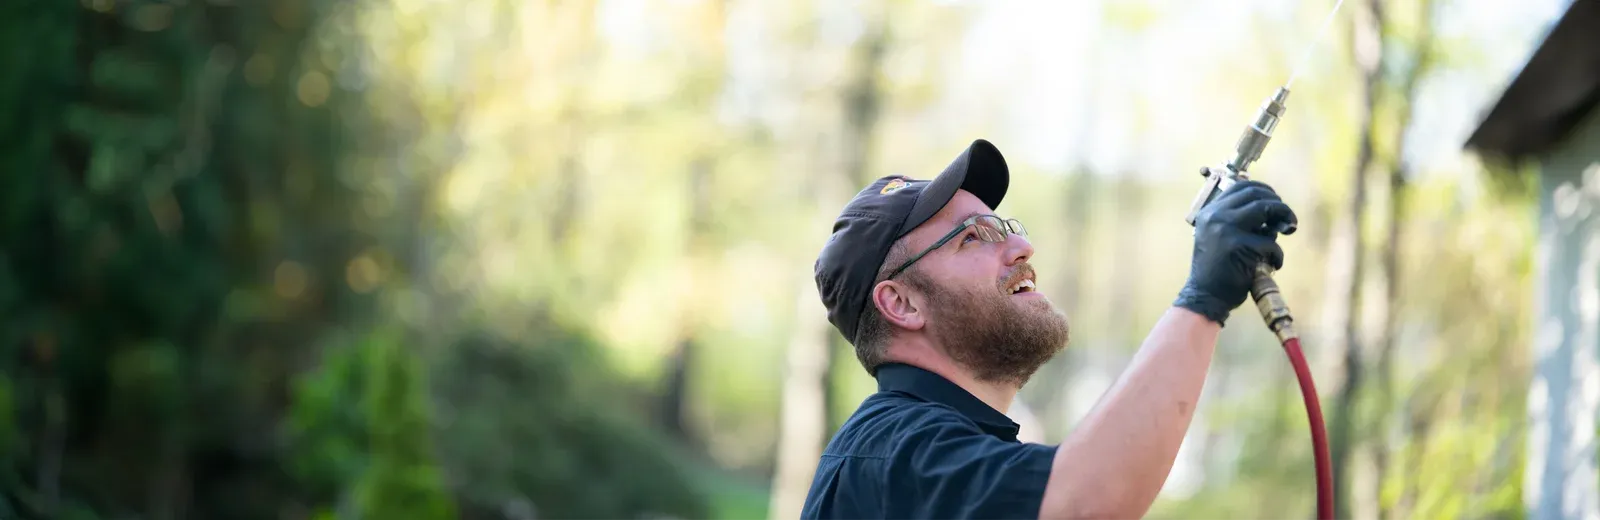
[1232,235]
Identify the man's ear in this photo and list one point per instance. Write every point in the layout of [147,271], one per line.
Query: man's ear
[899,305]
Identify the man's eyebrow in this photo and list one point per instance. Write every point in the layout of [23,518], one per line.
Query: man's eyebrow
[959,224]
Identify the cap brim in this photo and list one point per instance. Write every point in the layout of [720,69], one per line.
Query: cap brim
[980,170]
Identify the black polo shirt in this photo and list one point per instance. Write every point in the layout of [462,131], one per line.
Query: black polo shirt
[923,447]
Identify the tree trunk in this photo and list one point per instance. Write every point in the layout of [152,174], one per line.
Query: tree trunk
[1127,270]
[1346,260]
[862,99]
[807,390]
[52,447]
[1051,413]
[1054,413]
[801,433]
[1386,341]
[1080,197]
[863,104]
[675,396]
[1385,315]
[1398,171]
[1420,427]
[675,393]
[570,202]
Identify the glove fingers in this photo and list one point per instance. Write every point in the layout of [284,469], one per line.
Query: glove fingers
[1272,213]
[1281,216]
[1242,194]
[1265,249]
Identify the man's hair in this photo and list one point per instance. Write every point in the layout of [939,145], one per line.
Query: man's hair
[872,340]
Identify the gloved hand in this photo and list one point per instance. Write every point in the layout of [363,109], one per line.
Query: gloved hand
[1232,235]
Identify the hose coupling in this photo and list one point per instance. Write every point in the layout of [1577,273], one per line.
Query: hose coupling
[1274,309]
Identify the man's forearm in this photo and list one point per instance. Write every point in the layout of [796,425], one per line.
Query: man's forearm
[1115,462]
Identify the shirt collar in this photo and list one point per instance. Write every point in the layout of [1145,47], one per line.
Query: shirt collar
[928,386]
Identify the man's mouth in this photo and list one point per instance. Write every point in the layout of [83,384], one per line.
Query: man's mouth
[1021,286]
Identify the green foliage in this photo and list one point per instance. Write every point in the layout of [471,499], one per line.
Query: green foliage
[359,427]
[326,428]
[189,185]
[140,210]
[401,479]
[527,426]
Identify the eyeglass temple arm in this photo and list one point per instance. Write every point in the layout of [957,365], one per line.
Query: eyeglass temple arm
[930,249]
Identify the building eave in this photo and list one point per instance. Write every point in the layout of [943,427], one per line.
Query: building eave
[1555,90]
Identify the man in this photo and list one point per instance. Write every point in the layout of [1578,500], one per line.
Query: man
[939,298]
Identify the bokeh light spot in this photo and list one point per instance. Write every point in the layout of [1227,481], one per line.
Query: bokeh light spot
[313,89]
[290,279]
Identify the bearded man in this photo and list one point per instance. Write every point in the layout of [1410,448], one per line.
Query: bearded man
[938,297]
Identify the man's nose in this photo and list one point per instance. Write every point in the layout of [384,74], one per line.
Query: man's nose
[1017,249]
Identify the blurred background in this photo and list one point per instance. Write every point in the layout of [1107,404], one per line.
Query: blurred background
[552,259]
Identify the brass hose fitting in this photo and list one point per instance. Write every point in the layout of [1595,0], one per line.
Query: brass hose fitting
[1274,310]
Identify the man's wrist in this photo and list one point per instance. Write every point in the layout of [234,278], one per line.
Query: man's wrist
[1204,304]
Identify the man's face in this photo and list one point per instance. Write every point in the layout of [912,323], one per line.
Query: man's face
[974,310]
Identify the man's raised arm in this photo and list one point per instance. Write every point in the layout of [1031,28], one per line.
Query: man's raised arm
[1115,462]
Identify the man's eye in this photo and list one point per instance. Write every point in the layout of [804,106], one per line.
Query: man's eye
[969,236]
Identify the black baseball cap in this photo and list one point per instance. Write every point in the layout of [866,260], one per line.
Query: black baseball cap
[886,210]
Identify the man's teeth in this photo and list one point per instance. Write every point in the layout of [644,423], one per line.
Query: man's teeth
[1025,285]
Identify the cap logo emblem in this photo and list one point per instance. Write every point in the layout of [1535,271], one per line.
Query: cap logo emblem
[893,186]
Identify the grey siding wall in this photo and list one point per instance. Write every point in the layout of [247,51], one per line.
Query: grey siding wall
[1561,480]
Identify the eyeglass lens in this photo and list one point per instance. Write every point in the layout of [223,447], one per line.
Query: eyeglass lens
[993,229]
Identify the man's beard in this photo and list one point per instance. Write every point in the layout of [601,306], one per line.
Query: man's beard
[1001,339]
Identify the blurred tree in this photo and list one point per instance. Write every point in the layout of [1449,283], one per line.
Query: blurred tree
[1347,260]
[174,241]
[676,394]
[1393,51]
[213,197]
[533,419]
[861,104]
[1407,77]
[802,428]
[809,396]
[533,429]
[703,86]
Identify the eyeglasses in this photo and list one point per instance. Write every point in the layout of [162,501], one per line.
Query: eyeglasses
[988,228]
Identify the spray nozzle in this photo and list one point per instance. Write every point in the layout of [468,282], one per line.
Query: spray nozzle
[1256,135]
[1251,143]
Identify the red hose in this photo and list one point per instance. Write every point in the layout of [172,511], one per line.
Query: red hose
[1319,432]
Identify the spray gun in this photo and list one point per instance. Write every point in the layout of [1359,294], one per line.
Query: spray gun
[1269,300]
[1221,177]
[1251,143]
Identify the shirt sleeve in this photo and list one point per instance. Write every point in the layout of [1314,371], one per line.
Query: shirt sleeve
[945,467]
